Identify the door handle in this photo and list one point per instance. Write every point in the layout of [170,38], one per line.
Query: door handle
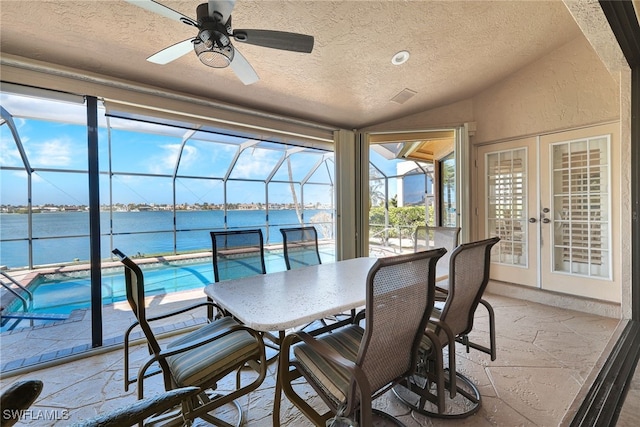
[546,220]
[532,220]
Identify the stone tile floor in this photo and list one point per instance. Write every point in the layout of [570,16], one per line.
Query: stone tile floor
[545,356]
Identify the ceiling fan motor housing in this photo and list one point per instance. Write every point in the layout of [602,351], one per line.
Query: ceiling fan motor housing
[213,44]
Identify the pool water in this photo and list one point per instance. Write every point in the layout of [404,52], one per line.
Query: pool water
[61,293]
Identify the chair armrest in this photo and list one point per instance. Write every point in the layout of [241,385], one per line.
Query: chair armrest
[361,315]
[183,310]
[140,410]
[169,314]
[442,290]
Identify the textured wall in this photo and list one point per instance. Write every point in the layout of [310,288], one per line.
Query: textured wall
[568,88]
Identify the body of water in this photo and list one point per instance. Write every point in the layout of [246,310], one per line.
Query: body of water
[62,237]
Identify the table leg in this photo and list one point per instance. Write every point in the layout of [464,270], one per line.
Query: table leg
[278,391]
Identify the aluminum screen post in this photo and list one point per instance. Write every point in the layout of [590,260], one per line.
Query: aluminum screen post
[94,222]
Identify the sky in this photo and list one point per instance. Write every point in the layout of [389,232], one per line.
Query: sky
[54,136]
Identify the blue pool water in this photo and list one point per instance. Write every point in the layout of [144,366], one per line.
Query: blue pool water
[61,293]
[64,292]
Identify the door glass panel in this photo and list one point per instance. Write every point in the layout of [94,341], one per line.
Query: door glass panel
[506,205]
[400,198]
[581,207]
[448,182]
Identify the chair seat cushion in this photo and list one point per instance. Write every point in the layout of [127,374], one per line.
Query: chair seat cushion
[334,379]
[214,359]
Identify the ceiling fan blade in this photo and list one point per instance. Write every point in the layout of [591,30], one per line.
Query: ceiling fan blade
[224,7]
[276,39]
[171,53]
[243,69]
[163,10]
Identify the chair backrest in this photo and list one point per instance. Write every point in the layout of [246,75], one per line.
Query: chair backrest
[300,247]
[237,253]
[134,287]
[400,297]
[429,237]
[468,278]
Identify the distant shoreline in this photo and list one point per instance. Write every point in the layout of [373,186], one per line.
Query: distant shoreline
[62,210]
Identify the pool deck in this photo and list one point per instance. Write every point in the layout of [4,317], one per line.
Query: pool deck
[545,357]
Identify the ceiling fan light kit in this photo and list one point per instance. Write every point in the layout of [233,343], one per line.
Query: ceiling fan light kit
[213,44]
[212,55]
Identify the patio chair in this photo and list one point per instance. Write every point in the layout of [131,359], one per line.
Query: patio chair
[237,253]
[18,397]
[199,358]
[428,237]
[300,246]
[352,366]
[424,391]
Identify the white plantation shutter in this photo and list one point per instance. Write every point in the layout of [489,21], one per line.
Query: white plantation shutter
[580,184]
[506,205]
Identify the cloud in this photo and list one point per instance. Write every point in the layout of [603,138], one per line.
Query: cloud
[257,165]
[165,162]
[189,156]
[54,152]
[9,155]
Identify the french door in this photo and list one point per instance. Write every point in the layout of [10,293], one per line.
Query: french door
[551,200]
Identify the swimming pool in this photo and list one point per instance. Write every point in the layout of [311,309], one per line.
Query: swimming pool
[61,293]
[64,292]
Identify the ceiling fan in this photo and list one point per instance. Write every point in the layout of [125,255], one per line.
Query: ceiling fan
[213,41]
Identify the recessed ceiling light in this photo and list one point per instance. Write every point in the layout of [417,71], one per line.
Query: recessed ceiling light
[400,57]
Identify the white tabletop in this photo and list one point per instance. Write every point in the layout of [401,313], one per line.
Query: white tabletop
[288,299]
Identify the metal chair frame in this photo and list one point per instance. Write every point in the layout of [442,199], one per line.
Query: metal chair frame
[296,240]
[203,403]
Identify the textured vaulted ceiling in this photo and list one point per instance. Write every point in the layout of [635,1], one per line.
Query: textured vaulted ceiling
[458,48]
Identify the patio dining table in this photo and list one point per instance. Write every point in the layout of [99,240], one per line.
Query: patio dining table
[289,299]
